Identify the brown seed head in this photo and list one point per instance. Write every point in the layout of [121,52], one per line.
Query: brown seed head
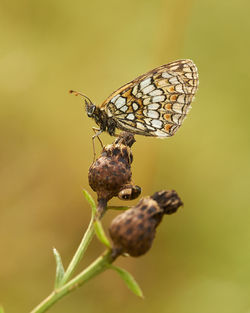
[126,139]
[133,231]
[111,172]
[168,200]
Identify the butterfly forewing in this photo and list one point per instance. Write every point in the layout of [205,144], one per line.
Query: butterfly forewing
[156,103]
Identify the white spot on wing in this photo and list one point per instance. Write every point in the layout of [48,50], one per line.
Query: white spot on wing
[147,121]
[140,126]
[158,98]
[179,88]
[146,101]
[115,97]
[177,107]
[135,90]
[174,80]
[181,99]
[135,106]
[153,106]
[155,92]
[166,75]
[124,108]
[130,116]
[120,102]
[156,123]
[151,113]
[150,127]
[163,83]
[160,133]
[145,82]
[148,89]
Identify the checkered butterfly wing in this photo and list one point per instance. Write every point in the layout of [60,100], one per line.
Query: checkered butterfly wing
[156,103]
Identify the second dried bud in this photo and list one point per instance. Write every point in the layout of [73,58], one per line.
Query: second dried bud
[134,230]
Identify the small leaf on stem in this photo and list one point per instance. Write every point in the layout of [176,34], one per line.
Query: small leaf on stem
[129,280]
[59,268]
[90,201]
[101,234]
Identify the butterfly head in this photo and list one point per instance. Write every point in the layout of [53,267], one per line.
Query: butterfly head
[90,108]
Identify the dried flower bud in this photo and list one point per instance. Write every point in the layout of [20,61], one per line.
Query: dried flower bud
[168,200]
[126,139]
[134,230]
[129,192]
[111,172]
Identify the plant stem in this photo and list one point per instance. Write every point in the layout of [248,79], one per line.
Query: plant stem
[97,267]
[79,252]
[101,209]
[118,208]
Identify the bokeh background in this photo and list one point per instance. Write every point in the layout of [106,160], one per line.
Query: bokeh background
[200,260]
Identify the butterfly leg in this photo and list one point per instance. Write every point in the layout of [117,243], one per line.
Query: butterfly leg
[97,133]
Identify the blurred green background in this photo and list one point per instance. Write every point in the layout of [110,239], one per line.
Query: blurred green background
[200,260]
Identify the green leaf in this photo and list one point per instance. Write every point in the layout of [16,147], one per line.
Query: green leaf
[101,234]
[90,201]
[1,309]
[59,268]
[129,280]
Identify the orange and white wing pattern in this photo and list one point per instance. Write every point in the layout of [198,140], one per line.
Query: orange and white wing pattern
[156,103]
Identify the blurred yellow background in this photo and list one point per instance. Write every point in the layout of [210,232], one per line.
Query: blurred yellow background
[200,260]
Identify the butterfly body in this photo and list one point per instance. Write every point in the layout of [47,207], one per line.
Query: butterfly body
[153,104]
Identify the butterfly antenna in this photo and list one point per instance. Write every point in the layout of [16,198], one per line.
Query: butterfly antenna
[76,93]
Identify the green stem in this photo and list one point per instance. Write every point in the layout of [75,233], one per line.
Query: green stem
[97,267]
[118,208]
[79,252]
[101,209]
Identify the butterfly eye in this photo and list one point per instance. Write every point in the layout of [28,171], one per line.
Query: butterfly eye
[90,108]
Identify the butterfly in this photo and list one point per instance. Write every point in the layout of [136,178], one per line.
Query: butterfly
[153,104]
